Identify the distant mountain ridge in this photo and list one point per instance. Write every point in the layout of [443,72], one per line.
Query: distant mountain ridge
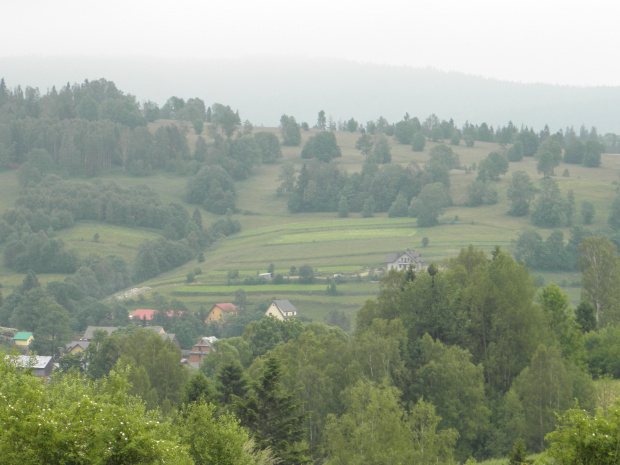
[264,88]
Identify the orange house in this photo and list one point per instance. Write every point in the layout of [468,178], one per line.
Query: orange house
[219,310]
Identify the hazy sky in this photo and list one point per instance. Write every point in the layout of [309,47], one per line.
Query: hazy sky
[558,42]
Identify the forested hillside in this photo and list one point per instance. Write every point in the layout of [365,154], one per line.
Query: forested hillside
[507,330]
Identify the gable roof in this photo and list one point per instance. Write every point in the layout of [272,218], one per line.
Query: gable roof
[148,314]
[22,336]
[226,307]
[206,341]
[89,334]
[393,256]
[72,345]
[285,306]
[143,314]
[23,361]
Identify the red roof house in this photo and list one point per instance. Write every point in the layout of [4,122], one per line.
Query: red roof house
[145,314]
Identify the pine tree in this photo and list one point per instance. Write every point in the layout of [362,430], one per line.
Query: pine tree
[231,383]
[273,416]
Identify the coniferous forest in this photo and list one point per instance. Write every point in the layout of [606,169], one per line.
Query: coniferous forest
[497,348]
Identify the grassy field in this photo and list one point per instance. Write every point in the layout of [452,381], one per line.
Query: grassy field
[350,246]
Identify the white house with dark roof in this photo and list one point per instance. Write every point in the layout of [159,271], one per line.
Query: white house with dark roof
[281,309]
[402,261]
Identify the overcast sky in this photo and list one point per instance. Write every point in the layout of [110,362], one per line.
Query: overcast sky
[557,42]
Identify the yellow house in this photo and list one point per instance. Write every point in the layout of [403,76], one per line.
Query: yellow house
[219,310]
[76,347]
[22,339]
[281,309]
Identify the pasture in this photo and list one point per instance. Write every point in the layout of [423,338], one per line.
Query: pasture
[352,246]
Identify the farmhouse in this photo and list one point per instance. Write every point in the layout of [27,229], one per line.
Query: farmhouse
[402,261]
[200,350]
[22,339]
[219,311]
[281,309]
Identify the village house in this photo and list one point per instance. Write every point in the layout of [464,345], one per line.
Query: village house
[89,334]
[22,339]
[148,314]
[41,366]
[201,349]
[402,261]
[219,311]
[76,347]
[281,309]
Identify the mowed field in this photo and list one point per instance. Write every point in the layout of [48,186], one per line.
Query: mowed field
[354,247]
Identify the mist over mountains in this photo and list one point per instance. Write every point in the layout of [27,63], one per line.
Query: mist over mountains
[264,88]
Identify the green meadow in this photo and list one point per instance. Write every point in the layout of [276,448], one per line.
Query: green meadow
[354,247]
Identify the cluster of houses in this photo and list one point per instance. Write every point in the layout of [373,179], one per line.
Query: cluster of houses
[42,366]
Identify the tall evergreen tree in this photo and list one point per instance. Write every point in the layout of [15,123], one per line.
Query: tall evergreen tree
[274,416]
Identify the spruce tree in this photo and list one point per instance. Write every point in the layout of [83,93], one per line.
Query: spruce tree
[274,416]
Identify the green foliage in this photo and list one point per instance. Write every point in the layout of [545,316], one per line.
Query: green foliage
[587,212]
[585,317]
[427,206]
[518,454]
[368,210]
[223,117]
[273,416]
[614,214]
[493,166]
[529,142]
[265,334]
[306,274]
[376,429]
[75,421]
[582,437]
[592,155]
[461,405]
[549,155]
[214,439]
[574,151]
[212,188]
[269,146]
[343,207]
[322,146]
[550,207]
[381,152]
[549,386]
[399,208]
[364,144]
[142,348]
[291,135]
[515,153]
[418,142]
[600,267]
[481,193]
[405,130]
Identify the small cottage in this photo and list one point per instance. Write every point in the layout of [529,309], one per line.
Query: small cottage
[22,339]
[281,309]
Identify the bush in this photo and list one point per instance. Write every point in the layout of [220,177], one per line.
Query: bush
[419,141]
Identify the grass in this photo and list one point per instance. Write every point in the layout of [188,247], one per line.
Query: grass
[331,245]
[112,240]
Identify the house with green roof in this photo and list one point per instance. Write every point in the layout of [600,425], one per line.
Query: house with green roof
[22,338]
